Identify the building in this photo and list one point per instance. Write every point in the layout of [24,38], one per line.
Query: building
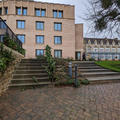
[38,24]
[102,49]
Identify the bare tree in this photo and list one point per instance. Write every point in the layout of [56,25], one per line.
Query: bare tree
[104,16]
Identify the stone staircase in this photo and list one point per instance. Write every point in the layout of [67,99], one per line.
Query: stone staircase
[30,73]
[96,74]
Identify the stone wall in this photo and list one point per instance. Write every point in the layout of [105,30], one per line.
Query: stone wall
[7,76]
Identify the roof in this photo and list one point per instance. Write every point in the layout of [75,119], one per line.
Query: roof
[41,2]
[99,40]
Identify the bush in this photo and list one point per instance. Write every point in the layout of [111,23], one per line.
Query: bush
[51,63]
[85,82]
[12,44]
[5,58]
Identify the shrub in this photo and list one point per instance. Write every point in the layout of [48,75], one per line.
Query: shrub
[12,44]
[85,82]
[51,63]
[5,58]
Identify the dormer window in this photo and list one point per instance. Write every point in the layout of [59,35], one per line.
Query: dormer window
[89,42]
[101,42]
[95,42]
[113,43]
[107,42]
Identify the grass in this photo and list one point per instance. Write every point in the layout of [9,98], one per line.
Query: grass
[112,65]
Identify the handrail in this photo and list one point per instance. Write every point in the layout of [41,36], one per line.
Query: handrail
[7,31]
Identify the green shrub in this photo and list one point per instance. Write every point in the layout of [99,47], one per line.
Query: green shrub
[51,67]
[5,58]
[12,44]
[85,82]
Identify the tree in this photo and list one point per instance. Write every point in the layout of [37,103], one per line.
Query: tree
[105,15]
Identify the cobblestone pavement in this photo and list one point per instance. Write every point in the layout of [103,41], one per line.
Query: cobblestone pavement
[92,102]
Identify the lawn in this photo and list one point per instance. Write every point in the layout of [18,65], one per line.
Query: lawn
[112,65]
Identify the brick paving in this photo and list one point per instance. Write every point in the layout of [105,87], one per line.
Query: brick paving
[92,102]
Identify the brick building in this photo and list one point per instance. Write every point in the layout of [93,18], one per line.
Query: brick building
[37,24]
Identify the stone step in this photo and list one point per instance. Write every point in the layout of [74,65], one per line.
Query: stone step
[29,75]
[96,74]
[89,67]
[83,62]
[32,60]
[30,80]
[29,71]
[29,85]
[33,64]
[104,79]
[94,70]
[117,77]
[30,68]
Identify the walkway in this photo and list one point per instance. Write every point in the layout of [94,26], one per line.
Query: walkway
[92,102]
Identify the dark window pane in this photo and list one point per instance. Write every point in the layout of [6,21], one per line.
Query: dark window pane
[58,53]
[58,26]
[24,11]
[39,52]
[21,38]
[43,12]
[40,25]
[37,12]
[55,13]
[58,40]
[1,38]
[60,14]
[20,24]
[18,11]
[0,11]
[2,24]
[39,39]
[6,10]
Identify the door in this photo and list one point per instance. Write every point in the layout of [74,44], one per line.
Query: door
[78,55]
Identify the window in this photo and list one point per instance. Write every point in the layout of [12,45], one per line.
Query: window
[20,24]
[43,12]
[58,53]
[118,50]
[18,11]
[39,25]
[40,39]
[6,10]
[113,49]
[39,52]
[60,14]
[24,11]
[1,38]
[101,50]
[95,49]
[58,26]
[21,38]
[2,24]
[0,11]
[58,39]
[55,13]
[37,12]
[107,50]
[40,12]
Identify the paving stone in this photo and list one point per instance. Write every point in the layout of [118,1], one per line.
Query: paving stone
[92,102]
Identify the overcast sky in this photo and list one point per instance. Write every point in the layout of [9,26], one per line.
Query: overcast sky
[81,9]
